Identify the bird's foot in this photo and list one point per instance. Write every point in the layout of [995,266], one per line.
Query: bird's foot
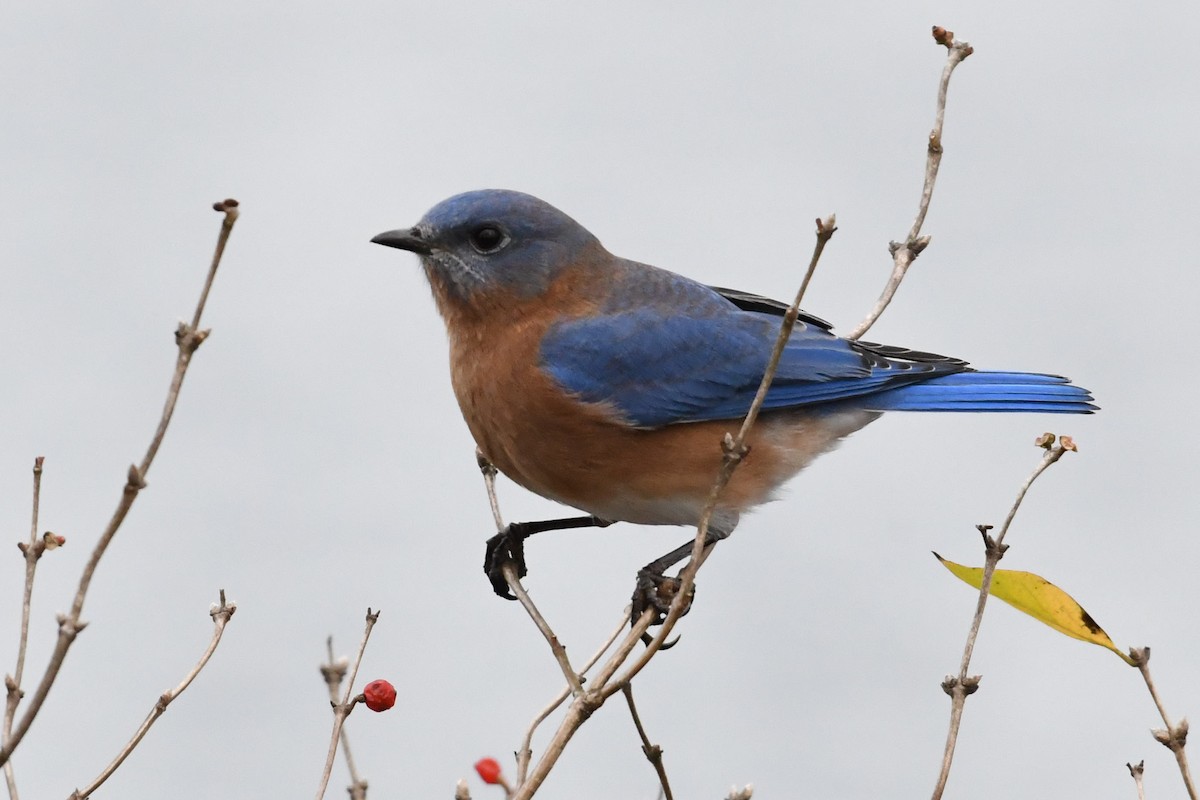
[655,591]
[506,547]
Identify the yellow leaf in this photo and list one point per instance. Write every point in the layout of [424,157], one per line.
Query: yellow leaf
[1041,600]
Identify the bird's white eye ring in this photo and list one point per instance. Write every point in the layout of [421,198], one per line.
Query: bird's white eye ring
[487,239]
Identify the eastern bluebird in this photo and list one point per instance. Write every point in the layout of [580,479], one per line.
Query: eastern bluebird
[608,385]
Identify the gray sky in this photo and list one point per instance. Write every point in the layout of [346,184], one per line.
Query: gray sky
[318,463]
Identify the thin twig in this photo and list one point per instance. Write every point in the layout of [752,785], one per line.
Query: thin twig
[1174,737]
[509,570]
[653,752]
[32,554]
[188,338]
[525,753]
[334,673]
[221,614]
[560,653]
[577,713]
[32,551]
[1137,770]
[574,683]
[342,710]
[994,551]
[904,253]
[961,685]
[734,450]
[488,470]
[825,228]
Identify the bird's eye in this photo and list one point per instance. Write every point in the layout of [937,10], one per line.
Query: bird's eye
[488,239]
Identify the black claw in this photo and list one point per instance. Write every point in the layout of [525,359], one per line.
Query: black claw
[505,547]
[647,639]
[656,591]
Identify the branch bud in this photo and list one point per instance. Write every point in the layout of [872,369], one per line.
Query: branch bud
[133,480]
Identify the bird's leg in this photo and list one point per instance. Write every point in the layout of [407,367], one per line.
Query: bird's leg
[509,546]
[655,590]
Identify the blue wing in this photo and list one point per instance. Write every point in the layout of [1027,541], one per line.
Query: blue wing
[659,368]
[702,356]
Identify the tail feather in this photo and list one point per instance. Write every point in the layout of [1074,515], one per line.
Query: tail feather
[987,391]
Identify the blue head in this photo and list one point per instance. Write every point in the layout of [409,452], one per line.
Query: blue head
[493,239]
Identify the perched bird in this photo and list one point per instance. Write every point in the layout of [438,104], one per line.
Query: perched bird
[607,385]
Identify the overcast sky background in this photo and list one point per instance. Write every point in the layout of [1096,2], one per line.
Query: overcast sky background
[318,464]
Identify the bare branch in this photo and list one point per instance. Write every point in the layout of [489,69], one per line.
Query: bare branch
[1137,770]
[221,614]
[514,583]
[334,673]
[825,228]
[488,470]
[560,652]
[653,752]
[32,554]
[525,753]
[904,253]
[188,338]
[961,685]
[342,710]
[1174,737]
[994,550]
[32,551]
[734,450]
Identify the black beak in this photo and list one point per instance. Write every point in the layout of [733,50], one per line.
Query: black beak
[405,240]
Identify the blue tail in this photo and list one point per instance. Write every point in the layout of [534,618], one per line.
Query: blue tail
[986,391]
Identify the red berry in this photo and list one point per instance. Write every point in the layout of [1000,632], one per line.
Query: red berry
[379,695]
[488,769]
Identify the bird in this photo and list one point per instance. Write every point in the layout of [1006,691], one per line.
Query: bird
[607,385]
